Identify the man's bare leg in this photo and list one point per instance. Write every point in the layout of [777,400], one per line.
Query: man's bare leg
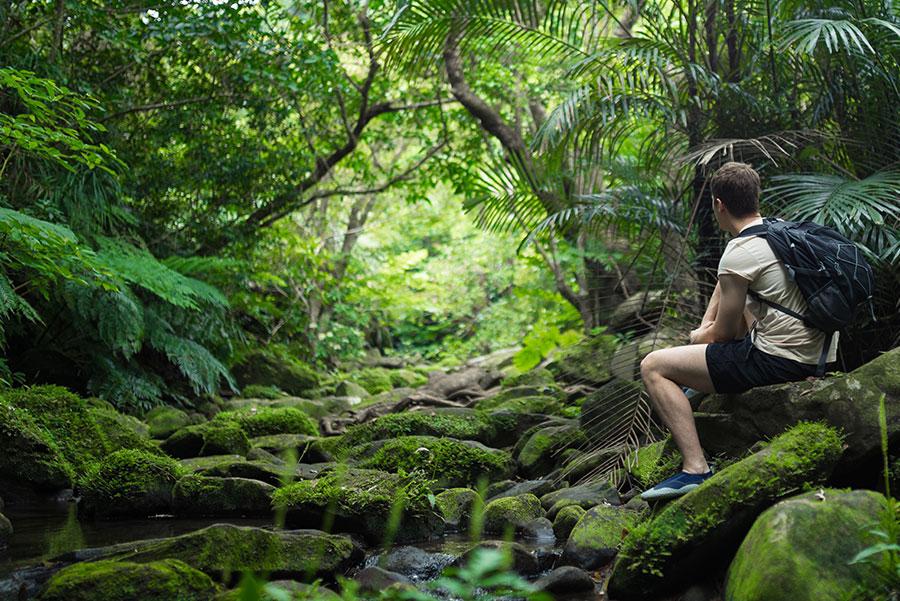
[664,373]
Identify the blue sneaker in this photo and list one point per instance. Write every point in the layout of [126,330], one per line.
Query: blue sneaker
[679,484]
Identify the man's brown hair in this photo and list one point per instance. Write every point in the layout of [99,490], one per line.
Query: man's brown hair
[737,185]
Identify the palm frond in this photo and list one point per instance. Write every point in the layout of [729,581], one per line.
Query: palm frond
[772,148]
[864,210]
[838,36]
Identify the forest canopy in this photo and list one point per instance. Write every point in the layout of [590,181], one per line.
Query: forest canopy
[184,182]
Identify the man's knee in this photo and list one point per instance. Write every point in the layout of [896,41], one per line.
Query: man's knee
[650,365]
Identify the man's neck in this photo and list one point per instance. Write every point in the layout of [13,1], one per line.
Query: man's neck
[738,225]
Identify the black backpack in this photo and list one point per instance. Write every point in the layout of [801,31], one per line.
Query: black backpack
[830,271]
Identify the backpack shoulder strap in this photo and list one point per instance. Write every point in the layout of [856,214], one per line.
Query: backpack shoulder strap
[758,230]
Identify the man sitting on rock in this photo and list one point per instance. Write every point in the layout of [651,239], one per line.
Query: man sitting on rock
[741,343]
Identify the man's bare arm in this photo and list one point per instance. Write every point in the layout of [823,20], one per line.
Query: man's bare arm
[729,316]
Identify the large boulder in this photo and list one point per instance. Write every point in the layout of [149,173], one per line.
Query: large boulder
[800,549]
[443,384]
[701,529]
[130,483]
[849,402]
[637,310]
[362,501]
[596,537]
[583,495]
[222,497]
[164,580]
[30,455]
[165,421]
[535,377]
[587,361]
[565,521]
[540,453]
[275,366]
[455,506]
[212,438]
[511,513]
[271,420]
[448,461]
[224,551]
[235,466]
[626,361]
[463,424]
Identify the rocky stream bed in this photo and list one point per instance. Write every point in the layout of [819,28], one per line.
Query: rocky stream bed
[393,473]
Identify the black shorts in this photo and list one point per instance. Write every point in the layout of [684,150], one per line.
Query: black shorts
[737,366]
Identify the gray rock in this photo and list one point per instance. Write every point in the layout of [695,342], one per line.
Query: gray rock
[535,487]
[222,497]
[595,539]
[565,580]
[523,561]
[375,579]
[538,529]
[585,496]
[414,563]
[565,521]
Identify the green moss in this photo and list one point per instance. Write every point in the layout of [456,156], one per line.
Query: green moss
[511,512]
[271,420]
[165,580]
[406,378]
[540,454]
[274,365]
[546,405]
[455,505]
[448,461]
[464,426]
[220,497]
[535,377]
[260,391]
[130,481]
[565,521]
[373,379]
[654,462]
[603,527]
[65,416]
[362,501]
[587,361]
[218,437]
[224,551]
[648,560]
[165,421]
[30,455]
[779,559]
[122,431]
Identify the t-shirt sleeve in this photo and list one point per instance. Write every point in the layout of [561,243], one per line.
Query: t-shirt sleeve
[736,260]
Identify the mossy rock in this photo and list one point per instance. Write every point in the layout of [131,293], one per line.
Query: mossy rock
[130,483]
[565,521]
[361,501]
[315,409]
[654,462]
[275,366]
[284,590]
[464,424]
[799,549]
[66,418]
[122,431]
[164,421]
[587,361]
[702,528]
[225,551]
[271,420]
[540,453]
[447,461]
[596,537]
[350,389]
[164,580]
[222,497]
[583,495]
[534,377]
[588,462]
[541,404]
[213,438]
[373,379]
[30,455]
[849,402]
[406,378]
[260,391]
[235,466]
[455,506]
[511,513]
[637,310]
[307,449]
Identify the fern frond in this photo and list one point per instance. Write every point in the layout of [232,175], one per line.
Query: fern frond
[117,316]
[201,369]
[139,267]
[126,385]
[12,304]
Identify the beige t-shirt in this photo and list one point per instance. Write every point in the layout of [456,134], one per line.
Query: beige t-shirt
[776,333]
